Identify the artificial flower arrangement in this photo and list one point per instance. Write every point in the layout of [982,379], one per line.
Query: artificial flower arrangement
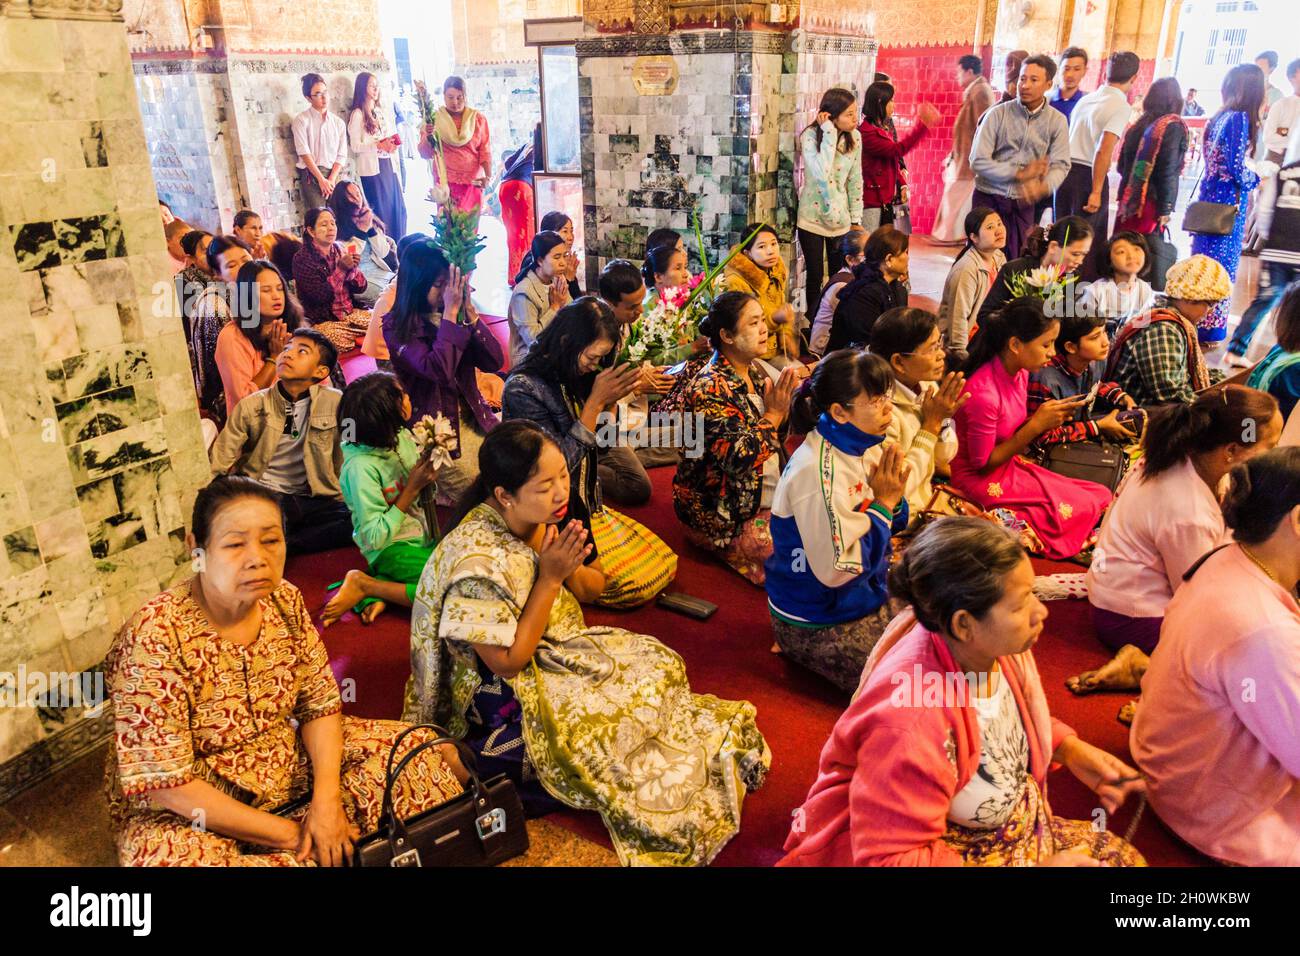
[435,440]
[454,230]
[666,334]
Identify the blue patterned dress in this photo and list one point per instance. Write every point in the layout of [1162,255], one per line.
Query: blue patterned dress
[1226,180]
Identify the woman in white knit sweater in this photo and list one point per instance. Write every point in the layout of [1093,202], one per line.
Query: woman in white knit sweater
[925,399]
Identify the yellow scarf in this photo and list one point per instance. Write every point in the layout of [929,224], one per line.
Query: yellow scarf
[445,126]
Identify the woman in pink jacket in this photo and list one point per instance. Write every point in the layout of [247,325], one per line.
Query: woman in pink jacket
[942,757]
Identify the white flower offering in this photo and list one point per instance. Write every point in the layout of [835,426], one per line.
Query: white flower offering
[435,439]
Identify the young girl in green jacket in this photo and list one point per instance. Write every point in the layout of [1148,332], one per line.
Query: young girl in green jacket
[381,480]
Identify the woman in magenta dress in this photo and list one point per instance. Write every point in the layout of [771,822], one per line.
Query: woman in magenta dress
[994,430]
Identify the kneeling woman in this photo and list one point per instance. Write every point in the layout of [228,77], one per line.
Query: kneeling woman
[953,772]
[227,709]
[595,718]
[568,384]
[1165,518]
[837,505]
[1215,730]
[723,492]
[994,431]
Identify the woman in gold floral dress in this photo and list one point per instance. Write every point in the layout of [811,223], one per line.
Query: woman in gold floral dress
[226,709]
[595,718]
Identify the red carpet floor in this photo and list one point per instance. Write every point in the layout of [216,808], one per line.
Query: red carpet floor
[729,656]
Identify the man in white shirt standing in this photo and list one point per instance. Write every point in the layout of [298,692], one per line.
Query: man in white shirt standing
[1283,117]
[1096,125]
[320,139]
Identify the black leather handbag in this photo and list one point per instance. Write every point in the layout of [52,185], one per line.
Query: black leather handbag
[1100,462]
[1210,218]
[483,826]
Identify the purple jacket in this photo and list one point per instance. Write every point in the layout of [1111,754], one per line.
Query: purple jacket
[436,368]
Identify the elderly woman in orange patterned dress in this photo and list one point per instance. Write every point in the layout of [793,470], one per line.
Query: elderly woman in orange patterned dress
[226,709]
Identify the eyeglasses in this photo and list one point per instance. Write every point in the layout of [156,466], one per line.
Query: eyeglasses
[936,349]
[880,401]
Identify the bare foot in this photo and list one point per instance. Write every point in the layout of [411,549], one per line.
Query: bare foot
[372,611]
[452,757]
[349,593]
[1122,672]
[1125,715]
[776,648]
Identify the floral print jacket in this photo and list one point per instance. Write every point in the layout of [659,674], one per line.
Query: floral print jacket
[718,491]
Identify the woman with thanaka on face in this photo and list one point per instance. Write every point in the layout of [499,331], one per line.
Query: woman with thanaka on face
[759,270]
[994,431]
[502,657]
[838,504]
[1166,516]
[196,739]
[1214,733]
[925,398]
[972,276]
[540,290]
[437,359]
[942,757]
[724,496]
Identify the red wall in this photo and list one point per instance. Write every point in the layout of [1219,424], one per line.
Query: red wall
[921,74]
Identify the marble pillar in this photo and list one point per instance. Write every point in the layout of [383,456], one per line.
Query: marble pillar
[99,433]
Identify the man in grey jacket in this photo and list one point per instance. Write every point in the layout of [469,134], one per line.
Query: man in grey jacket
[1021,152]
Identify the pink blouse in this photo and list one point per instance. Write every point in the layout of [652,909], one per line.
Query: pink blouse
[1217,732]
[1155,531]
[238,362]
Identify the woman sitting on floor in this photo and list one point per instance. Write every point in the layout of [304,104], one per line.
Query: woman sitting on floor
[836,507]
[266,316]
[724,495]
[560,224]
[1166,516]
[1215,730]
[540,290]
[1279,371]
[569,385]
[994,431]
[879,284]
[594,718]
[436,358]
[227,709]
[759,270]
[972,276]
[925,398]
[942,757]
[358,224]
[327,279]
[1060,249]
[381,479]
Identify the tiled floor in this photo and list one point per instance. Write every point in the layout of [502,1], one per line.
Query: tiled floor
[64,821]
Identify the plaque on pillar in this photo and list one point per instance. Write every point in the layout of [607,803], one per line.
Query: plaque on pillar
[655,75]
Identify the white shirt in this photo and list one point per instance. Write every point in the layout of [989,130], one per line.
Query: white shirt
[993,792]
[363,143]
[286,472]
[322,137]
[1152,534]
[1283,117]
[1106,110]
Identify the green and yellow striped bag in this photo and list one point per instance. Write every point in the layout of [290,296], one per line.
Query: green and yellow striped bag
[638,565]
